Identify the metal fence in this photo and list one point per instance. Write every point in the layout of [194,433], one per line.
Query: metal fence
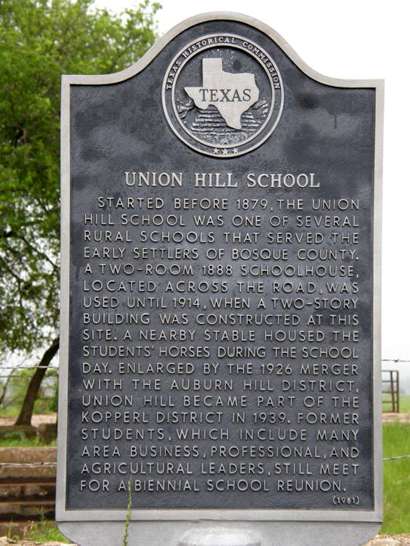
[14,381]
[391,391]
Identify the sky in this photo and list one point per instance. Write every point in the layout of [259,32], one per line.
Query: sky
[353,39]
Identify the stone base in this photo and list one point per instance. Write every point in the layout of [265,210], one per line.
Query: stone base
[219,537]
[183,533]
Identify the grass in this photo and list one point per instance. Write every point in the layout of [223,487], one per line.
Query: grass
[9,411]
[44,531]
[128,516]
[25,442]
[41,407]
[396,479]
[405,403]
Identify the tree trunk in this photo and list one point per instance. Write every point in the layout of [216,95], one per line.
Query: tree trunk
[30,398]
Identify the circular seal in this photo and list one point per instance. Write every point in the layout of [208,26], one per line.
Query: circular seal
[222,95]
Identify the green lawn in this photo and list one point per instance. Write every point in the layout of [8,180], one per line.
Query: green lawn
[396,479]
[25,442]
[405,403]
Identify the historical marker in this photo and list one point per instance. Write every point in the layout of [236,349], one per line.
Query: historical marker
[220,297]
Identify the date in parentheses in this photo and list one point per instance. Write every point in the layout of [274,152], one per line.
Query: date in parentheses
[346,500]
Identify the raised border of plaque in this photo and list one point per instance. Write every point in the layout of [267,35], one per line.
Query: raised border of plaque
[226,515]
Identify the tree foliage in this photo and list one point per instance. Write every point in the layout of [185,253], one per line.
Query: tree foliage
[39,41]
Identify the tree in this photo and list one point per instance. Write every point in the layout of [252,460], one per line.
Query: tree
[39,41]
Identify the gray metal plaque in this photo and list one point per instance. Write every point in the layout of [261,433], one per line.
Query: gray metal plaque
[220,320]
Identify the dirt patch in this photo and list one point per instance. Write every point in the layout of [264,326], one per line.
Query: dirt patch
[390,540]
[4,541]
[36,421]
[396,417]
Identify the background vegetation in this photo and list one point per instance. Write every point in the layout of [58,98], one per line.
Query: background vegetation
[41,40]
[396,443]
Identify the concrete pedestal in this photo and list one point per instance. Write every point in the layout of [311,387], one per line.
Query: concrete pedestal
[206,533]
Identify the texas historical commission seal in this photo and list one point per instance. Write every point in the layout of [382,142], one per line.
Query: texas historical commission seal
[223,95]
